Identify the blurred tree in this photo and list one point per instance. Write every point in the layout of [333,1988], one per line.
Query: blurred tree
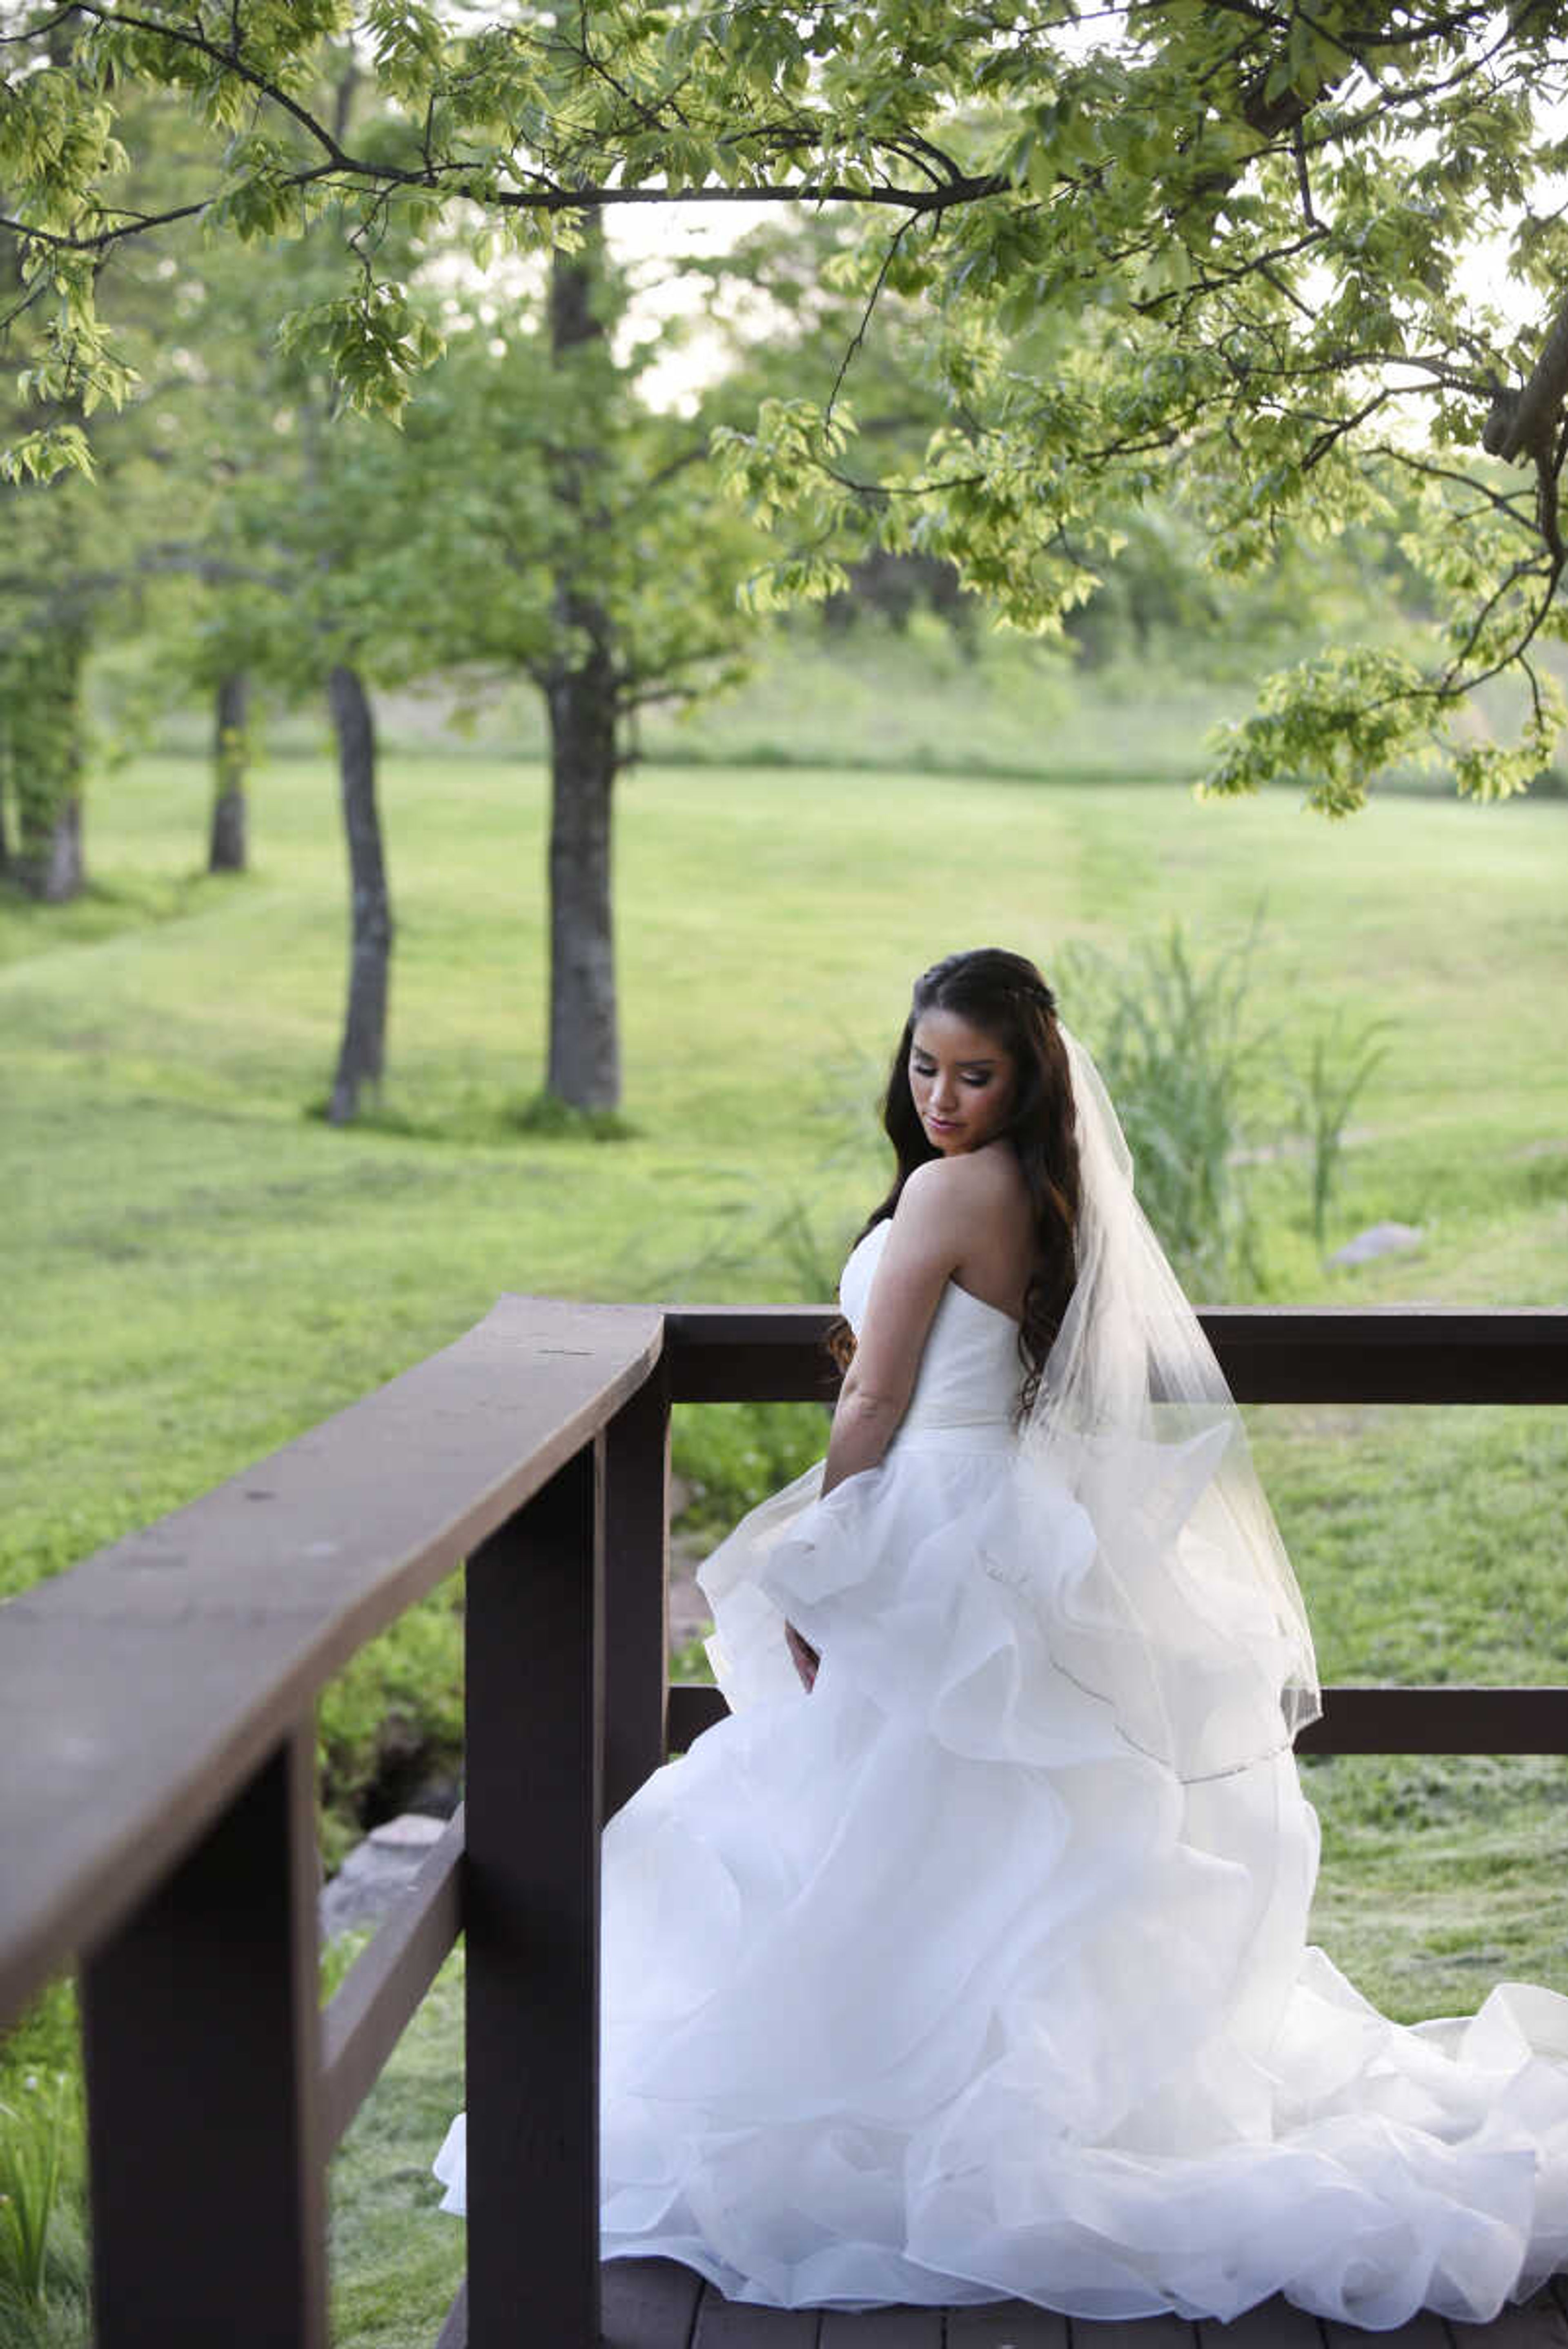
[558,528]
[896,586]
[83,558]
[41,755]
[536,518]
[295,506]
[1250,221]
[44,636]
[228,839]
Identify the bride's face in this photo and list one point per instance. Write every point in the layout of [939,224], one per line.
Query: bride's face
[962,1080]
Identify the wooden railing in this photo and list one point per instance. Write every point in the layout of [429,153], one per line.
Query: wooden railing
[157,1810]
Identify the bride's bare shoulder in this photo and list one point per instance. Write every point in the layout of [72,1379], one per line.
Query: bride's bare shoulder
[968,1216]
[969,1183]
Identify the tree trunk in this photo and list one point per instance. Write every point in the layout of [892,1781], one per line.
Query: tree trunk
[585,1050]
[359,1060]
[52,866]
[44,725]
[230,757]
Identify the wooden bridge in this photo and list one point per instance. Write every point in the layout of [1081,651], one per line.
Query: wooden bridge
[655,2305]
[157,1817]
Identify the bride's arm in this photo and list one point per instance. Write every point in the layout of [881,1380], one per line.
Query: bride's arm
[924,1247]
[922,1250]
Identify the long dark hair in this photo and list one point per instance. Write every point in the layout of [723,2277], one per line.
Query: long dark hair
[1005,995]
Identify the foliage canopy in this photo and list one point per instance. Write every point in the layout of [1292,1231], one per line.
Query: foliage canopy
[1226,248]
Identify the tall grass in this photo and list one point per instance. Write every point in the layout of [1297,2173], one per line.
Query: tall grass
[44,2282]
[1342,1057]
[30,2175]
[1178,1039]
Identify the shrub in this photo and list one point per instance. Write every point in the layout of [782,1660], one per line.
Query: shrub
[732,1456]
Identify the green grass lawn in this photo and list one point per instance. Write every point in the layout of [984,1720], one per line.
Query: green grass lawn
[195,1267]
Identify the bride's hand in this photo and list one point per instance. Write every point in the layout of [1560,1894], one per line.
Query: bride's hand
[805,1655]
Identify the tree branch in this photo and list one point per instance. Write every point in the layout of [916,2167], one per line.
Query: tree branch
[857,341]
[231,59]
[1524,422]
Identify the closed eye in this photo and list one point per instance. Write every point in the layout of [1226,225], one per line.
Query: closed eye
[978,1076]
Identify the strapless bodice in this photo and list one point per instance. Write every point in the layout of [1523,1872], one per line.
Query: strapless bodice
[970,1372]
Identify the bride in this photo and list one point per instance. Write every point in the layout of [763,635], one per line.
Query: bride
[983,1972]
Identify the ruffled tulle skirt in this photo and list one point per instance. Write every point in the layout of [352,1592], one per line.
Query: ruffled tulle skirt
[930,1986]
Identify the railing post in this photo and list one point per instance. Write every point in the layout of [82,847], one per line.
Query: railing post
[637,1591]
[201,2032]
[534,1644]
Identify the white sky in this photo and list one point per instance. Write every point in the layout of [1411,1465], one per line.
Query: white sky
[647,234]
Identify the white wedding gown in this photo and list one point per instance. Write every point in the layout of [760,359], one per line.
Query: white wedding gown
[929,1986]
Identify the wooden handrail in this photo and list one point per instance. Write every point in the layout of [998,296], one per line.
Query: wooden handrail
[1445,1719]
[143,1689]
[1389,1353]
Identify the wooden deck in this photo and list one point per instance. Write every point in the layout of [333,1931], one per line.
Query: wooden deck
[656,2304]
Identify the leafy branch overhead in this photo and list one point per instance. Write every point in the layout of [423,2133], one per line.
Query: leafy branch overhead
[1305,268]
